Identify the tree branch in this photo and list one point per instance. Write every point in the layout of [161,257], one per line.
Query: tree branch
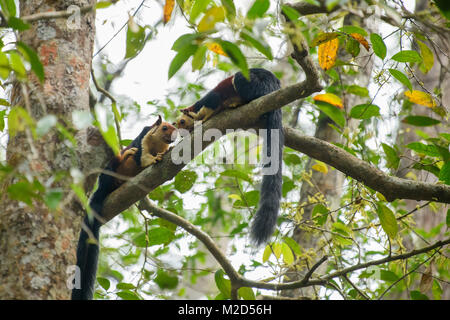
[238,281]
[54,14]
[391,187]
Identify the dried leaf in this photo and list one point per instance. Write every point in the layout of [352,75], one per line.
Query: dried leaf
[420,97]
[426,282]
[168,8]
[330,98]
[328,54]
[361,40]
[216,48]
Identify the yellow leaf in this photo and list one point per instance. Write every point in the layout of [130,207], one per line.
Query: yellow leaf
[234,196]
[212,16]
[288,257]
[361,40]
[216,48]
[328,54]
[329,98]
[420,97]
[321,167]
[276,247]
[267,253]
[168,8]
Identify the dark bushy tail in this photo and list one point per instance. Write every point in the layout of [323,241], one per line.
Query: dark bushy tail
[265,219]
[263,82]
[88,243]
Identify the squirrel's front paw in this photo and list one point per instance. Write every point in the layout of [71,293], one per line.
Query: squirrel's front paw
[147,160]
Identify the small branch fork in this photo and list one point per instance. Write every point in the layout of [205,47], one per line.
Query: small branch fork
[238,281]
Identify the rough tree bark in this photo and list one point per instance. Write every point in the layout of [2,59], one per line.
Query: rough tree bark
[37,245]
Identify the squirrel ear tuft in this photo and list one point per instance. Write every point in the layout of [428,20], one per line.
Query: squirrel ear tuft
[158,122]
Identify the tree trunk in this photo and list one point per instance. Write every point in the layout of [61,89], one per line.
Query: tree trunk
[37,245]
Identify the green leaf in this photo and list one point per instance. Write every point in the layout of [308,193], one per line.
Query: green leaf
[420,121]
[332,112]
[400,76]
[258,9]
[31,56]
[235,55]
[8,7]
[357,90]
[53,197]
[365,111]
[427,55]
[24,191]
[407,56]
[417,295]
[444,174]
[236,174]
[387,220]
[4,66]
[295,247]
[166,280]
[182,56]
[104,283]
[185,180]
[229,7]
[388,276]
[160,235]
[352,47]
[378,45]
[246,293]
[128,295]
[320,214]
[135,41]
[125,286]
[429,150]
[199,59]
[198,7]
[110,137]
[353,29]
[185,40]
[263,48]
[17,65]
[224,285]
[18,24]
[19,120]
[290,12]
[393,160]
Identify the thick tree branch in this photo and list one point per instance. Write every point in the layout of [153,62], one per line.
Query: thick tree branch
[391,187]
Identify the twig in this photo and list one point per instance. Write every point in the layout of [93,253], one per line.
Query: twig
[54,14]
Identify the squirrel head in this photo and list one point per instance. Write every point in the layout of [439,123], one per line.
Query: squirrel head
[185,121]
[164,131]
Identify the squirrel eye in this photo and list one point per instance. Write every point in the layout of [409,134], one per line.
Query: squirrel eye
[164,128]
[182,121]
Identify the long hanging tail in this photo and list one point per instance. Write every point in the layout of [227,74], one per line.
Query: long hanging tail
[263,82]
[265,219]
[88,243]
